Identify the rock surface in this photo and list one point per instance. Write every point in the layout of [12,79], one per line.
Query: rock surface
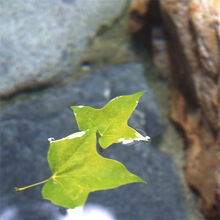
[145,22]
[192,31]
[137,12]
[42,41]
[28,120]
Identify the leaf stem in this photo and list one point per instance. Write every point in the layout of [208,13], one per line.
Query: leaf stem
[32,185]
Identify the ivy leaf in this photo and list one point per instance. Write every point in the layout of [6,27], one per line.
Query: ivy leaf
[77,167]
[78,170]
[111,121]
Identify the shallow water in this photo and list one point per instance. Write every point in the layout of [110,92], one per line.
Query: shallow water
[109,65]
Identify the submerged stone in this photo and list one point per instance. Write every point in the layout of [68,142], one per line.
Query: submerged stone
[28,121]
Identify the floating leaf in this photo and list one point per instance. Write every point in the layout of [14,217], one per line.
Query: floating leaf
[78,170]
[77,167]
[111,120]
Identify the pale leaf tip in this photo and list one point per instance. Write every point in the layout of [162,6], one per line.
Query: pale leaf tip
[144,181]
[144,91]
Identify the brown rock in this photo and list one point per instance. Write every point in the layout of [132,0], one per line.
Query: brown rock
[193,37]
[137,11]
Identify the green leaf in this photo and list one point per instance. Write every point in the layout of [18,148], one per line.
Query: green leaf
[111,120]
[77,167]
[78,170]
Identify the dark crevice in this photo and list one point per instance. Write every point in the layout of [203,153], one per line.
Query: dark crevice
[183,81]
[142,40]
[27,90]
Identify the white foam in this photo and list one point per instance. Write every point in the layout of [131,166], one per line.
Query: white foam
[90,212]
[125,141]
[147,138]
[75,135]
[51,139]
[121,139]
[72,136]
[139,138]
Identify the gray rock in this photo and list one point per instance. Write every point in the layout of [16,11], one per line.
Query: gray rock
[27,123]
[40,41]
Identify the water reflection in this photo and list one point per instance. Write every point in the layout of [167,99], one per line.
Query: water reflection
[90,212]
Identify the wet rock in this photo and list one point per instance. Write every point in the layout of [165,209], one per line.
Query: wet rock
[42,41]
[29,120]
[192,31]
[137,12]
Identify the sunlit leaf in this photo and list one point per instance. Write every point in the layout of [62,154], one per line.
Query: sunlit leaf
[78,170]
[111,120]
